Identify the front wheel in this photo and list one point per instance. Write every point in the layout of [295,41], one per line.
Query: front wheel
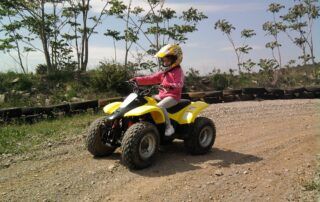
[140,145]
[94,141]
[202,138]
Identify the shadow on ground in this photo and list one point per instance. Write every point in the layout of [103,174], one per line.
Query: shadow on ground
[174,159]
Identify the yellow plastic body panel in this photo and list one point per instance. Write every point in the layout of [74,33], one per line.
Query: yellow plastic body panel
[189,113]
[110,108]
[151,107]
[184,116]
[155,112]
[151,101]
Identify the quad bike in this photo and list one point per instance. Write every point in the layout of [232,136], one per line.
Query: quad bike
[137,125]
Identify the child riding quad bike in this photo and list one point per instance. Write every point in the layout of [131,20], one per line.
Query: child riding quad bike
[137,125]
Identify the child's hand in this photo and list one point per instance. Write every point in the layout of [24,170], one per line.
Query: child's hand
[133,80]
[167,87]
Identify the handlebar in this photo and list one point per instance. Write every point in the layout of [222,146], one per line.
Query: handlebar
[142,92]
[134,85]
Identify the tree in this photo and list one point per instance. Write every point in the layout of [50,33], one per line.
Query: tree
[192,78]
[12,37]
[225,27]
[273,28]
[36,21]
[154,25]
[121,11]
[248,65]
[268,67]
[300,19]
[12,41]
[34,17]
[78,13]
[63,26]
[116,37]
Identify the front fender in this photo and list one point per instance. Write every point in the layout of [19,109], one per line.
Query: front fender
[190,114]
[110,108]
[155,112]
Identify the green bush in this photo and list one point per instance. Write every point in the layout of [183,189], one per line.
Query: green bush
[25,82]
[60,76]
[220,81]
[110,77]
[16,81]
[41,69]
[107,80]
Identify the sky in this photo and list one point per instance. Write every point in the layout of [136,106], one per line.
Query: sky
[206,48]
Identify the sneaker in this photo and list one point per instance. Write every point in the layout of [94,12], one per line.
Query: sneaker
[169,130]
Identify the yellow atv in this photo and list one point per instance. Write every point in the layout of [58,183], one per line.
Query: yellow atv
[137,125]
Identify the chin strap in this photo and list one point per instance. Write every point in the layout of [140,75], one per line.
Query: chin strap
[171,68]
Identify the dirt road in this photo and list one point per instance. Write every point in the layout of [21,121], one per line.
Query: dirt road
[264,151]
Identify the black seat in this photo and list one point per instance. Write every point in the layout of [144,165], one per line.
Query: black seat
[182,104]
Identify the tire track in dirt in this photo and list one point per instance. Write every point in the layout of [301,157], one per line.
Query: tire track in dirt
[263,151]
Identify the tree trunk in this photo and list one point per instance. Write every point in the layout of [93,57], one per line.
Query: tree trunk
[236,52]
[276,38]
[279,54]
[44,40]
[18,50]
[84,42]
[115,50]
[20,59]
[310,44]
[126,40]
[304,55]
[274,57]
[54,47]
[86,55]
[310,20]
[77,45]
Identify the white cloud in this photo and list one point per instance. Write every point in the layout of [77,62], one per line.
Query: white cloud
[97,6]
[241,7]
[179,7]
[97,54]
[226,49]
[230,48]
[30,61]
[191,45]
[206,65]
[257,47]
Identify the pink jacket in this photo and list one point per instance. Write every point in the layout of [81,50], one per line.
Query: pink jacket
[171,79]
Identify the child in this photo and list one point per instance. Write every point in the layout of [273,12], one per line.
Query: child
[171,81]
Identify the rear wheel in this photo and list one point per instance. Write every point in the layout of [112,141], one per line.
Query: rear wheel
[140,145]
[202,138]
[94,141]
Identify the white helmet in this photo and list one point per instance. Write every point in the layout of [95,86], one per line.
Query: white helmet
[171,50]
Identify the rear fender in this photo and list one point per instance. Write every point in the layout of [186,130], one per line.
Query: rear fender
[190,113]
[110,108]
[156,113]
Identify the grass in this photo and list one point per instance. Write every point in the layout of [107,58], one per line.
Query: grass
[18,139]
[313,185]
